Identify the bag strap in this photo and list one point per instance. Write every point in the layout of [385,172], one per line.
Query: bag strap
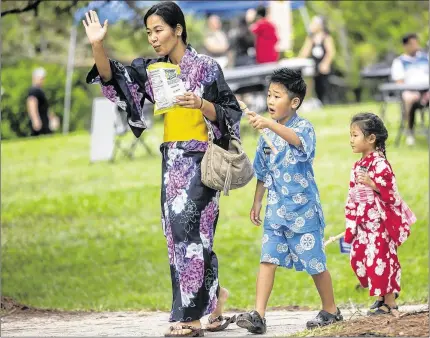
[211,132]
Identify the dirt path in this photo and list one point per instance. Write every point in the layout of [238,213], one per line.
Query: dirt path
[144,323]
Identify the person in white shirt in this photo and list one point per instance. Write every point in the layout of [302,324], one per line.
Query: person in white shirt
[411,67]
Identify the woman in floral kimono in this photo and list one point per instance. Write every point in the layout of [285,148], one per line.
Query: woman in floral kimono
[189,209]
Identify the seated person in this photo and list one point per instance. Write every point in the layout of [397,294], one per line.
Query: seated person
[412,67]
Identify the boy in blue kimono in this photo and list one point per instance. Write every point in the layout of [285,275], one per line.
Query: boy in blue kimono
[294,222]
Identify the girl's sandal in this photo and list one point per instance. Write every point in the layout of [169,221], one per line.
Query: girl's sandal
[378,303]
[193,331]
[383,310]
[224,323]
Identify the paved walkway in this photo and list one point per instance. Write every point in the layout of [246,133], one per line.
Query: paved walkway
[150,324]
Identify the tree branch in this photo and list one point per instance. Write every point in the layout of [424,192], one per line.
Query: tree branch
[30,6]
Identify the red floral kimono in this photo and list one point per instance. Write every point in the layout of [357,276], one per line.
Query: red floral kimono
[376,224]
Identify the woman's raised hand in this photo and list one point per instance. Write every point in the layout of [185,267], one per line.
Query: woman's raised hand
[95,32]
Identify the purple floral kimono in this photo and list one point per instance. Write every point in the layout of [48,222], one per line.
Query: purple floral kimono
[189,209]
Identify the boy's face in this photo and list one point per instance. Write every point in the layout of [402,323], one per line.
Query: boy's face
[281,107]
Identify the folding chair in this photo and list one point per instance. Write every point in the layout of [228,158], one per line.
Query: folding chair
[121,130]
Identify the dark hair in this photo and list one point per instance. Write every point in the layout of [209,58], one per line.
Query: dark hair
[324,24]
[171,13]
[407,37]
[261,11]
[292,81]
[369,124]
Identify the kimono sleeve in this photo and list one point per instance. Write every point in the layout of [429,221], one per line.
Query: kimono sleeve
[128,89]
[382,174]
[228,112]
[350,212]
[260,167]
[306,134]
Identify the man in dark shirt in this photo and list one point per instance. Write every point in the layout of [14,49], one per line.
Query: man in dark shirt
[37,105]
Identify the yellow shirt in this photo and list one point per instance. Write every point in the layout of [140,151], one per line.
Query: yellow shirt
[184,124]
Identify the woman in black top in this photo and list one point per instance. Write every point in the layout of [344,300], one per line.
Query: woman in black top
[319,46]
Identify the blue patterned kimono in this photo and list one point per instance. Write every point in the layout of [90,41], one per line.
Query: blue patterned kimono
[189,209]
[293,199]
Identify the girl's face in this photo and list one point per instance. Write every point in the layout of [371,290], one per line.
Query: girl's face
[281,107]
[359,142]
[161,36]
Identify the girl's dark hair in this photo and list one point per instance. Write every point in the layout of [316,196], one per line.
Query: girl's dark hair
[369,124]
[171,13]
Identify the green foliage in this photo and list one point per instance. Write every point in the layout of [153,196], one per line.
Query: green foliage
[16,80]
[80,236]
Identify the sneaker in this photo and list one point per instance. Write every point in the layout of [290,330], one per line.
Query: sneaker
[324,318]
[410,140]
[252,321]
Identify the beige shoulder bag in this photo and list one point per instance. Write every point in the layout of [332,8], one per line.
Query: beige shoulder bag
[225,170]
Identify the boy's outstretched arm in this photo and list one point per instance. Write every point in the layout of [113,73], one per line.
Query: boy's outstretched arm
[260,122]
[258,200]
[286,133]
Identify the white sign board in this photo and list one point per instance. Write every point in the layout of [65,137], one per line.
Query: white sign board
[102,130]
[281,17]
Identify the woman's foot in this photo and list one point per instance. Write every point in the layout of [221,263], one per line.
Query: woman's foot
[188,329]
[222,298]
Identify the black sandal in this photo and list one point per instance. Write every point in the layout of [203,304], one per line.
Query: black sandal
[252,321]
[378,303]
[220,319]
[380,311]
[194,331]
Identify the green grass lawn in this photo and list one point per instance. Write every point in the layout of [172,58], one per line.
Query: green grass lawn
[81,236]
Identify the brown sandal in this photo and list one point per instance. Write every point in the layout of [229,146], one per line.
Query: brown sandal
[220,319]
[194,331]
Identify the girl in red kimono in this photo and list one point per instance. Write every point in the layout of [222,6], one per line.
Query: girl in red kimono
[377,219]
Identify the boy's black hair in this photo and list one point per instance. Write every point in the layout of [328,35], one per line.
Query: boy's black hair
[293,82]
[407,37]
[369,124]
[261,11]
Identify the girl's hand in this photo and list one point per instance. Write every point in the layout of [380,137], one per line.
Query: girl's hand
[95,32]
[258,121]
[189,100]
[364,178]
[254,215]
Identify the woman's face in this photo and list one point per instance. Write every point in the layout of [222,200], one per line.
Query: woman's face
[161,36]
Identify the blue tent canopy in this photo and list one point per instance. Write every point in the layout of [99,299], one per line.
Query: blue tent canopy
[227,8]
[119,10]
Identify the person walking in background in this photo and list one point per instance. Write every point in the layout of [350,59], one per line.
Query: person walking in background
[189,209]
[412,67]
[242,44]
[216,42]
[266,37]
[319,46]
[41,121]
[377,219]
